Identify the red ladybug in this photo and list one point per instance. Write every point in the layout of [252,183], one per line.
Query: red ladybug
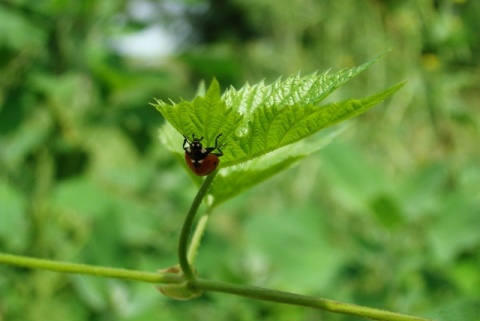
[200,159]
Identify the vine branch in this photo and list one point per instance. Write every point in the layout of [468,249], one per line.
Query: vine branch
[187,228]
[207,285]
[66,267]
[302,300]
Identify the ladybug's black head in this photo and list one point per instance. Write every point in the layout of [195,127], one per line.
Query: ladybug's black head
[195,149]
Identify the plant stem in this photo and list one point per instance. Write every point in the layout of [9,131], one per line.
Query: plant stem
[33,263]
[302,300]
[187,227]
[206,285]
[197,236]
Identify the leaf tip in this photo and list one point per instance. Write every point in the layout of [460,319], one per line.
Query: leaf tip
[214,88]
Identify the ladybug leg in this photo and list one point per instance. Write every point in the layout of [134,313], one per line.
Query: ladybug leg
[220,153]
[216,141]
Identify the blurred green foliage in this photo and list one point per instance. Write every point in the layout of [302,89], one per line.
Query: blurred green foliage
[388,215]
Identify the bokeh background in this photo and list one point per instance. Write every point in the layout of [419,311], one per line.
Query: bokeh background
[388,215]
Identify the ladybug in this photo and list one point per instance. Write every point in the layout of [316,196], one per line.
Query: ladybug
[200,159]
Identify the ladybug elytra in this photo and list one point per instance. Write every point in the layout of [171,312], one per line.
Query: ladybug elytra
[200,159]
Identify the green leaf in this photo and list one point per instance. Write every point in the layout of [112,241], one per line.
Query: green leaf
[272,128]
[206,116]
[310,89]
[262,125]
[280,152]
[236,179]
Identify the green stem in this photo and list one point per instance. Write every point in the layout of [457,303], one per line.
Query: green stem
[302,300]
[197,236]
[65,267]
[206,285]
[187,228]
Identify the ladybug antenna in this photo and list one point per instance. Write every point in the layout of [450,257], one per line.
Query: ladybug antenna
[185,141]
